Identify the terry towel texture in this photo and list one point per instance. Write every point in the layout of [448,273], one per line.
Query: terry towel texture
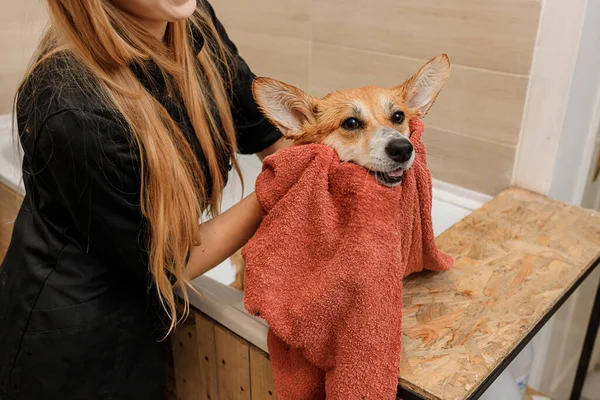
[325,270]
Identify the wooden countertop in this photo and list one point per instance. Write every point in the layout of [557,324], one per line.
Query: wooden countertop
[516,259]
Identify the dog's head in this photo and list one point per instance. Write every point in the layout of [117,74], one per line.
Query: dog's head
[367,126]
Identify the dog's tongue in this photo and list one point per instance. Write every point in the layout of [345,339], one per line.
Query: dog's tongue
[397,173]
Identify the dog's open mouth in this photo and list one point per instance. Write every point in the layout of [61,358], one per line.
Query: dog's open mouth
[390,178]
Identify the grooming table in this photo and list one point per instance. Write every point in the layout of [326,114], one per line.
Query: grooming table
[518,259]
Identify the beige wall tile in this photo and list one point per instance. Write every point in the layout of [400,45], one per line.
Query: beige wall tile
[492,34]
[18,50]
[17,43]
[8,89]
[23,11]
[483,104]
[289,18]
[21,26]
[279,57]
[468,162]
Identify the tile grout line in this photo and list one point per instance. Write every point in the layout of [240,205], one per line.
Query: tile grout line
[469,136]
[422,60]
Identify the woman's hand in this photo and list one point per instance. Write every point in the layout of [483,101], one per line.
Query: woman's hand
[278,145]
[228,232]
[224,235]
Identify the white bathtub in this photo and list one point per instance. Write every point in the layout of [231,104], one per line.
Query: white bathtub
[219,301]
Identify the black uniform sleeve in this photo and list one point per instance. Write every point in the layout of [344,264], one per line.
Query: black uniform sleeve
[86,161]
[254,132]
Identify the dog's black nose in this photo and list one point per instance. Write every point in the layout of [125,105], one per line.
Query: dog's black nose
[399,150]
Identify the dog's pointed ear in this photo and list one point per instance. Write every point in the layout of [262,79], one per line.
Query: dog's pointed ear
[286,106]
[421,90]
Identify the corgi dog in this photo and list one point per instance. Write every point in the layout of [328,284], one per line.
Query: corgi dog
[367,126]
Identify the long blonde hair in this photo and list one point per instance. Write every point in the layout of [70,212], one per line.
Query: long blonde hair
[105,41]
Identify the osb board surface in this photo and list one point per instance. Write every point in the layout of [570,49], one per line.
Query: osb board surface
[515,258]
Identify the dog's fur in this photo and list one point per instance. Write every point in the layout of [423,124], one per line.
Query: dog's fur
[367,126]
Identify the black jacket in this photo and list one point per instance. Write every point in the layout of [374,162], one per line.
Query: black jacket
[78,313]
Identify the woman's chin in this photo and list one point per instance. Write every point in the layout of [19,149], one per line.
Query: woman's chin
[180,9]
[158,10]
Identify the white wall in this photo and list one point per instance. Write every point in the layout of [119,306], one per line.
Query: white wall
[559,131]
[579,131]
[591,195]
[550,81]
[555,151]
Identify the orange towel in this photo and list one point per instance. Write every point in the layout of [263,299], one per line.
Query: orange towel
[325,270]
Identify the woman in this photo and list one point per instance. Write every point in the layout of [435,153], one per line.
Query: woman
[129,119]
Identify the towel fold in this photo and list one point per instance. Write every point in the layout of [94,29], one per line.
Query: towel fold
[325,270]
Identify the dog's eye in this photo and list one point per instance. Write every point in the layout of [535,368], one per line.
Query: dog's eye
[351,124]
[398,117]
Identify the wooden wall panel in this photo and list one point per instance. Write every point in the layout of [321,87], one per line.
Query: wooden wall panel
[206,361]
[187,369]
[233,363]
[194,357]
[205,336]
[261,376]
